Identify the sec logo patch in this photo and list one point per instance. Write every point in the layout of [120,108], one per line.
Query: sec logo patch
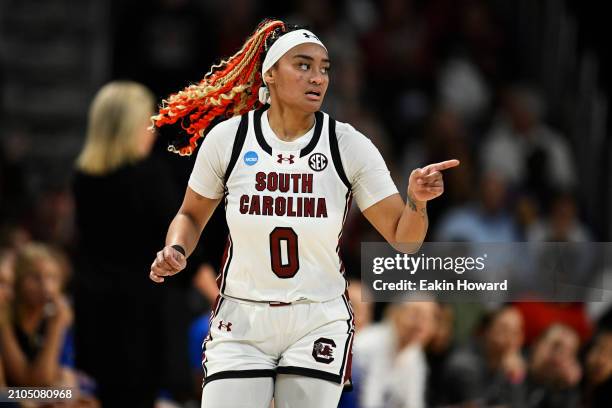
[317,161]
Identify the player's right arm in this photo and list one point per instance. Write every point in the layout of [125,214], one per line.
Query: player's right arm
[205,190]
[185,230]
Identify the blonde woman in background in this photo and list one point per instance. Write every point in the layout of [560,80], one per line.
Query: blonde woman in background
[117,133]
[123,200]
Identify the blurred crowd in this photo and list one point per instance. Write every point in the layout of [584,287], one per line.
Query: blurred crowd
[414,357]
[426,82]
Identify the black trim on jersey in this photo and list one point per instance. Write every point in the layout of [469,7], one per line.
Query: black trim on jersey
[227,263]
[258,133]
[335,152]
[238,143]
[309,372]
[347,206]
[241,134]
[349,338]
[239,374]
[268,149]
[317,135]
[215,310]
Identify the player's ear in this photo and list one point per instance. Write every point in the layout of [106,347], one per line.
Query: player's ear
[269,75]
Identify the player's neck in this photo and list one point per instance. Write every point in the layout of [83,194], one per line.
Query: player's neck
[289,125]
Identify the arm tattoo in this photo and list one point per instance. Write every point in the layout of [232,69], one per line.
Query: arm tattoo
[424,213]
[411,202]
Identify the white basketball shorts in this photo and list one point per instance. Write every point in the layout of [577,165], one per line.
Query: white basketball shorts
[259,339]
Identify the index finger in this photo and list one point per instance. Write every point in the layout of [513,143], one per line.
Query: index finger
[441,165]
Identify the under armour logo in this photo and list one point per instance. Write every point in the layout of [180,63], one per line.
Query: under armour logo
[227,326]
[282,159]
[310,36]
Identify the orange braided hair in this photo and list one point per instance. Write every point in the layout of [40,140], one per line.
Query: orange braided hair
[230,88]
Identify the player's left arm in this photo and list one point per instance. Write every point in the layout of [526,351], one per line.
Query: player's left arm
[406,223]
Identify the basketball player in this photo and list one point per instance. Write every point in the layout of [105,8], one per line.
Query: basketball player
[286,172]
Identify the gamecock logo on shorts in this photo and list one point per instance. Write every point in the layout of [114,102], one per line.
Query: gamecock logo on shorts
[323,350]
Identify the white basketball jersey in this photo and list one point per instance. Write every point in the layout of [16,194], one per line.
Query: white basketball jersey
[285,211]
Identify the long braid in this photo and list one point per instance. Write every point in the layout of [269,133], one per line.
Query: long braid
[228,89]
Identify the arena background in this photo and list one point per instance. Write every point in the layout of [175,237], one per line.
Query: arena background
[425,80]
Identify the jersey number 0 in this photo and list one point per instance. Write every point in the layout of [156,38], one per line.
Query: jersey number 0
[284,241]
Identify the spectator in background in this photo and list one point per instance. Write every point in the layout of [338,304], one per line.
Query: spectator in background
[554,370]
[392,359]
[14,236]
[562,224]
[598,371]
[526,151]
[439,349]
[579,269]
[491,371]
[123,202]
[415,323]
[487,220]
[35,335]
[7,278]
[36,342]
[7,275]
[538,317]
[463,89]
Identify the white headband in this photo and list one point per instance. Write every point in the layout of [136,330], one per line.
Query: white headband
[280,48]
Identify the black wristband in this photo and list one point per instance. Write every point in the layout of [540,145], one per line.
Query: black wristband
[180,249]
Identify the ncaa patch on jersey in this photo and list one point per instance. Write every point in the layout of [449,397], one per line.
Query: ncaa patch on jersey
[317,161]
[250,158]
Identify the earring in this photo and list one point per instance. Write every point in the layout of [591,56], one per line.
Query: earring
[264,95]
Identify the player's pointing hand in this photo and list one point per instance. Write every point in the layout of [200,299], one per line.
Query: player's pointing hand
[168,262]
[426,183]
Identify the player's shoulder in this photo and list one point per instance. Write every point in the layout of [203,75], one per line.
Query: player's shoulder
[226,128]
[222,135]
